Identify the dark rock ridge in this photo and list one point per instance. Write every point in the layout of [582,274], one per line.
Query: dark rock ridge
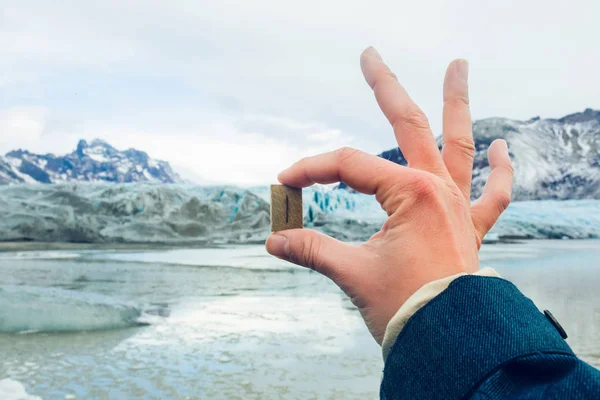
[96,161]
[554,159]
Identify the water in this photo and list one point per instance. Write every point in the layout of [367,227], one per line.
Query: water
[230,323]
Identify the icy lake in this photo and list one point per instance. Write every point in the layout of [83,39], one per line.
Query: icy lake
[230,322]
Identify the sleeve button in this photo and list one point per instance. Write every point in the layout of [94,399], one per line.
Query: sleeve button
[556,324]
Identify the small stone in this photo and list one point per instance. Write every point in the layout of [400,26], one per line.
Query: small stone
[286,208]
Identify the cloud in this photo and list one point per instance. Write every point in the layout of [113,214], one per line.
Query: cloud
[207,148]
[221,153]
[279,79]
[22,124]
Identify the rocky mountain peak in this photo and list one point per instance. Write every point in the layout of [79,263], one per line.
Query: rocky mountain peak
[96,161]
[554,159]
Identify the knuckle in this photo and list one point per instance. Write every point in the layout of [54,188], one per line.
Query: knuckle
[425,187]
[346,154]
[381,76]
[390,197]
[346,151]
[464,144]
[308,254]
[502,200]
[459,101]
[457,193]
[301,161]
[509,167]
[389,74]
[415,118]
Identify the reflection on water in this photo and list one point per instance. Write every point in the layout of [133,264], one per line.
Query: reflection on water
[236,323]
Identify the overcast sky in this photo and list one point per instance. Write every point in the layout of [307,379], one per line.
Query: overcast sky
[234,91]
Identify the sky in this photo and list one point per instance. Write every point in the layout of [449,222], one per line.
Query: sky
[234,91]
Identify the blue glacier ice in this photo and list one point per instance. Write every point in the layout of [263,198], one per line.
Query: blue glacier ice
[550,219]
[355,216]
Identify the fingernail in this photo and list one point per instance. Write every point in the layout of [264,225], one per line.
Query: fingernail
[278,245]
[462,67]
[371,52]
[505,146]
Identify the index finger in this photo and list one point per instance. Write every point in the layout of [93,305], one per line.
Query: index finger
[362,172]
[410,125]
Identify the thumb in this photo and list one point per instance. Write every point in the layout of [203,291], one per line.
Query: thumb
[311,249]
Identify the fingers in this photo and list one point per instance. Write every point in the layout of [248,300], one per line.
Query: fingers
[336,260]
[459,149]
[497,191]
[410,124]
[363,172]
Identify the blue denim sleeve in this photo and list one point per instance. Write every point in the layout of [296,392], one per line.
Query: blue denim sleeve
[481,338]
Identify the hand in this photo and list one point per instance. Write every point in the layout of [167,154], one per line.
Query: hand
[432,230]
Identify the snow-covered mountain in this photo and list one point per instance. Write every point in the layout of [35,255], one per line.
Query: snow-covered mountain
[554,159]
[90,162]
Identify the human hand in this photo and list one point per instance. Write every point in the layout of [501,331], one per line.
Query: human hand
[432,230]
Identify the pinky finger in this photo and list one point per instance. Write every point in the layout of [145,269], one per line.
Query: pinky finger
[497,191]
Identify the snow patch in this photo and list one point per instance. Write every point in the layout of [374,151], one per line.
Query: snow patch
[14,390]
[15,162]
[40,162]
[15,165]
[97,153]
[148,176]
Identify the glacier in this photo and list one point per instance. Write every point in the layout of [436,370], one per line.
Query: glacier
[185,214]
